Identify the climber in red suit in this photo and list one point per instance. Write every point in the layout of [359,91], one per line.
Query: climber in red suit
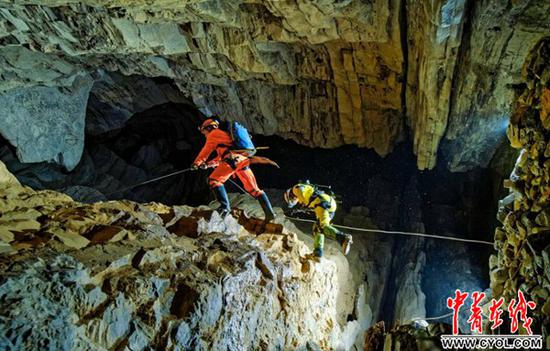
[227,163]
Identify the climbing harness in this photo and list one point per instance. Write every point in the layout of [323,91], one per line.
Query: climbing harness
[148,181]
[384,231]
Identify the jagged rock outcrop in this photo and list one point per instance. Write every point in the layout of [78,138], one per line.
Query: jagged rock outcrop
[121,275]
[523,239]
[6,178]
[324,73]
[433,46]
[405,337]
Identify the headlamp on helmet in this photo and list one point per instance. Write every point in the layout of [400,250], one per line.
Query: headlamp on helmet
[290,198]
[209,124]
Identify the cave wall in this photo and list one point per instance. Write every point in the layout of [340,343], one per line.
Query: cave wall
[130,137]
[523,238]
[324,74]
[46,123]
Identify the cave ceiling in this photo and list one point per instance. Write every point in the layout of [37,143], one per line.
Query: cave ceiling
[323,73]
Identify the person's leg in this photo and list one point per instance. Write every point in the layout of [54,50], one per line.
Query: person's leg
[247,178]
[318,241]
[324,218]
[221,196]
[216,182]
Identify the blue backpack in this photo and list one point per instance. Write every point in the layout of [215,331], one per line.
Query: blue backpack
[242,141]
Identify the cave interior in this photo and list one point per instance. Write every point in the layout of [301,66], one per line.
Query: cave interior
[422,117]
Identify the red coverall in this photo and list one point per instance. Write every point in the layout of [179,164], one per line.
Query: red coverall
[229,162]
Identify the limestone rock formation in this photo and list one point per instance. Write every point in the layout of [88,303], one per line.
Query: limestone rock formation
[6,178]
[493,52]
[424,337]
[114,99]
[46,123]
[121,275]
[523,239]
[152,144]
[323,73]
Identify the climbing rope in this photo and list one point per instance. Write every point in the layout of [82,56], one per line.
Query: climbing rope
[432,318]
[393,232]
[399,232]
[149,181]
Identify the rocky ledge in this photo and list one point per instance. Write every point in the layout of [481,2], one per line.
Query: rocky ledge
[120,275]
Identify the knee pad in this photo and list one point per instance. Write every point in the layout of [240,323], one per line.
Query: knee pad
[256,194]
[213,183]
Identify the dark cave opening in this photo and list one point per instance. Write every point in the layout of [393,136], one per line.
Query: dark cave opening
[451,203]
[154,143]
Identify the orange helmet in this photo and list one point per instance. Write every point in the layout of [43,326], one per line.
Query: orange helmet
[211,123]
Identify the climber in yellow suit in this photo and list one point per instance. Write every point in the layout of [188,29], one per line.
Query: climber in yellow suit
[324,206]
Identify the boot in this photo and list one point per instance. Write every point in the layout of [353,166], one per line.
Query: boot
[266,206]
[346,243]
[221,196]
[318,252]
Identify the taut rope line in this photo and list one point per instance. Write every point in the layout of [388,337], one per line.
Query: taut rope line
[149,181]
[393,232]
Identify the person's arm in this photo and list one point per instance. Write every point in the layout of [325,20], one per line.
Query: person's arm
[299,192]
[207,149]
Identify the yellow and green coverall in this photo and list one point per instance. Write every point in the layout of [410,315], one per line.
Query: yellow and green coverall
[324,206]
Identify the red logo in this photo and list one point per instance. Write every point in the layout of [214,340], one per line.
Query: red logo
[517,310]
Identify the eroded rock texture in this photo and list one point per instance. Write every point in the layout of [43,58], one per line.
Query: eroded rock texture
[121,275]
[153,143]
[405,337]
[322,73]
[523,240]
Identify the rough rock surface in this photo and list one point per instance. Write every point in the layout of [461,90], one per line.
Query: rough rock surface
[120,275]
[114,99]
[523,239]
[6,178]
[153,143]
[406,337]
[324,73]
[46,123]
[491,58]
